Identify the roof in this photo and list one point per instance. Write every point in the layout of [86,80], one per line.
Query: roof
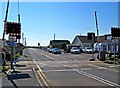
[85,40]
[59,41]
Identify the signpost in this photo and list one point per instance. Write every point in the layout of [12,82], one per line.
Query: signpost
[91,36]
[115,35]
[12,40]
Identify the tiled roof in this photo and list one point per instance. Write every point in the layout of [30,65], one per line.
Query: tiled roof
[85,40]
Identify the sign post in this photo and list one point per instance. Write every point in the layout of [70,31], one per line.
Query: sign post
[115,35]
[91,36]
[12,44]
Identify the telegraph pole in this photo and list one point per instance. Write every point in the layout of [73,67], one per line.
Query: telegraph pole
[5,20]
[97,32]
[23,38]
[25,42]
[3,38]
[97,27]
[54,36]
[18,18]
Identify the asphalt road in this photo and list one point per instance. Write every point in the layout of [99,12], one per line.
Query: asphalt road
[72,70]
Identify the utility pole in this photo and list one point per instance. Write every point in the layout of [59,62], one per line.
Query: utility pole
[23,38]
[18,19]
[54,36]
[25,42]
[5,21]
[97,27]
[92,47]
[97,32]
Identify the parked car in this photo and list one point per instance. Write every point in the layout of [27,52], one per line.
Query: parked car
[88,50]
[75,50]
[56,51]
[49,50]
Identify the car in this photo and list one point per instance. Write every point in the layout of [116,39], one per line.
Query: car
[89,50]
[75,50]
[56,51]
[49,50]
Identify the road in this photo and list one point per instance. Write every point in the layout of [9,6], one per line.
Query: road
[72,70]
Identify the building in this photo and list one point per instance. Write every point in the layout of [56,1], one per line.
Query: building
[84,42]
[106,43]
[59,43]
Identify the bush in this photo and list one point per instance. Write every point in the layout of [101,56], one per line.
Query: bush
[118,61]
[6,68]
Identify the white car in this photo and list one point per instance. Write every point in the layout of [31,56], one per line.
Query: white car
[56,51]
[75,50]
[88,50]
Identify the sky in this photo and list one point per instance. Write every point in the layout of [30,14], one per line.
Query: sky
[41,20]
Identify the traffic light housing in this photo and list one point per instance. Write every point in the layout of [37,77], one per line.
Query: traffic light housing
[89,36]
[115,32]
[12,27]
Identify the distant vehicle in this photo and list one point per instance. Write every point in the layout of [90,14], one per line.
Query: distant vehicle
[44,48]
[56,51]
[75,50]
[49,50]
[88,50]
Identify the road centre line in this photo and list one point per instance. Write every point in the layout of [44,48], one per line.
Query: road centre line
[42,75]
[40,70]
[38,79]
[97,78]
[43,79]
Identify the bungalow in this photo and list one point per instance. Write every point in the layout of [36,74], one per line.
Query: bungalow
[84,42]
[106,43]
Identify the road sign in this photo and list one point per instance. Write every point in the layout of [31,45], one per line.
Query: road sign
[12,38]
[12,43]
[12,27]
[115,32]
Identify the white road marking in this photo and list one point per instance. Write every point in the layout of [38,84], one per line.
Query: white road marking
[86,69]
[112,66]
[98,67]
[25,70]
[96,78]
[101,68]
[47,56]
[34,61]
[62,70]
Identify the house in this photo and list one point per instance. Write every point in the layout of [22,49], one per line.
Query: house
[110,45]
[106,43]
[84,42]
[59,43]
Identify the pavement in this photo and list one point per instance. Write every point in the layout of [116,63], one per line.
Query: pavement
[23,75]
[106,64]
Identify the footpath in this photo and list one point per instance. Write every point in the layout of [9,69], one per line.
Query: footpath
[23,75]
